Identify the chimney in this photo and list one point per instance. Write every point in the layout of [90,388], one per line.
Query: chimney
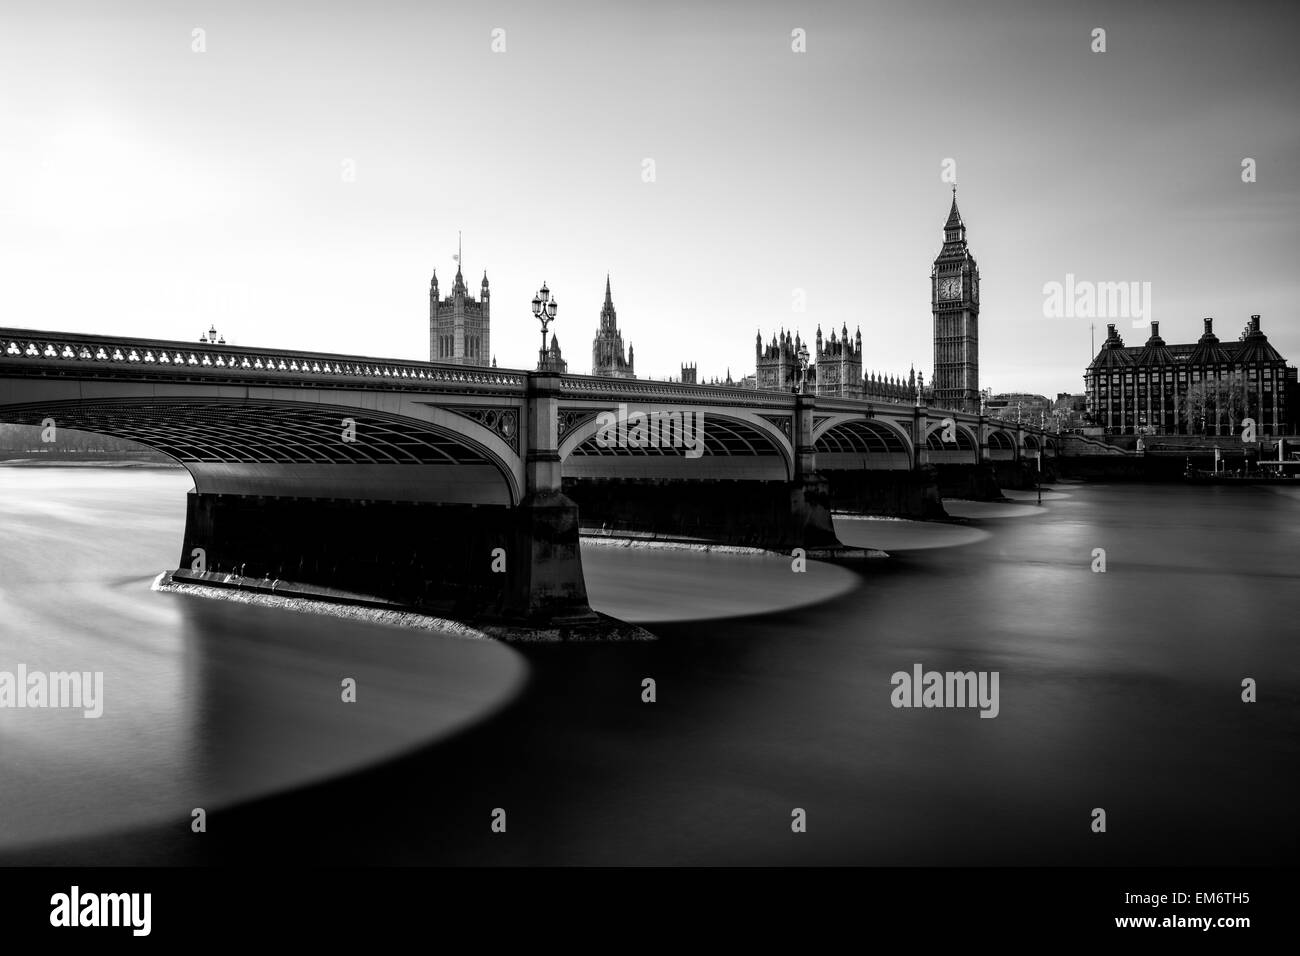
[1254,324]
[1155,329]
[1110,330]
[1209,326]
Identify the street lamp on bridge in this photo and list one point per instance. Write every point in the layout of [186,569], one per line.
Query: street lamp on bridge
[544,307]
[803,369]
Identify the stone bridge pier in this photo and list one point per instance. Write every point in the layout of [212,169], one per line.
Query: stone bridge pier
[484,561]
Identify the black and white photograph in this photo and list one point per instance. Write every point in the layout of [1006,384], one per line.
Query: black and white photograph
[605,447]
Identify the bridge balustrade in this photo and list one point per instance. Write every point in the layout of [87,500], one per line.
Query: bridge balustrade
[37,352]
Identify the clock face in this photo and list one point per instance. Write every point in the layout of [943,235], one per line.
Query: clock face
[949,288]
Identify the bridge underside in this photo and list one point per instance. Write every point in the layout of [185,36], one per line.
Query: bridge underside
[264,448]
[736,490]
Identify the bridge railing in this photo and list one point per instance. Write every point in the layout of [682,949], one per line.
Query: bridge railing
[594,386]
[52,351]
[42,352]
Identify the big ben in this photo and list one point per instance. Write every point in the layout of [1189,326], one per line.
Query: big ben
[955,302]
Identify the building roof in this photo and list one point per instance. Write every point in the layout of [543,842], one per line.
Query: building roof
[1252,348]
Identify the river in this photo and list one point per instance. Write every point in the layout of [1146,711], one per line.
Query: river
[1118,690]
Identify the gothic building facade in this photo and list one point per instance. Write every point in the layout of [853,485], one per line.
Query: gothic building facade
[554,360]
[607,350]
[777,364]
[839,364]
[893,388]
[1207,387]
[836,371]
[955,303]
[459,326]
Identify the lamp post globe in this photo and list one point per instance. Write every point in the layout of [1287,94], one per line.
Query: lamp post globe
[544,309]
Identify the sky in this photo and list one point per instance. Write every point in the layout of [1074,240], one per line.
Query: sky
[296,180]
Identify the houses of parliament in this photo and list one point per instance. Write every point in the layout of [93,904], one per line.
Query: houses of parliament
[835,367]
[460,334]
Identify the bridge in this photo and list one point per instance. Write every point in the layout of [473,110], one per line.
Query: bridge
[463,490]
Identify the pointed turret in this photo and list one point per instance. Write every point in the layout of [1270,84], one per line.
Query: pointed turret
[608,317]
[954,215]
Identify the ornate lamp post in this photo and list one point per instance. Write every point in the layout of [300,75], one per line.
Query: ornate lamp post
[544,307]
[803,369]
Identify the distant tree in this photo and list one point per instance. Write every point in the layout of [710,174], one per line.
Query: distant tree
[1197,406]
[1206,400]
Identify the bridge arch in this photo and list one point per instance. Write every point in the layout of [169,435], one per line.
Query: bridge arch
[735,447]
[267,446]
[965,450]
[862,443]
[1002,446]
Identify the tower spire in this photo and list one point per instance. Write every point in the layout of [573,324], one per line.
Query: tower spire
[954,215]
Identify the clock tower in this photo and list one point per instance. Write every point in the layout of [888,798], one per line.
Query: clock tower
[955,302]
